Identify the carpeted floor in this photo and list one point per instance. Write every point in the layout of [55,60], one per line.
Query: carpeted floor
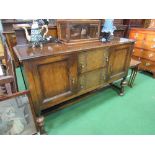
[106,113]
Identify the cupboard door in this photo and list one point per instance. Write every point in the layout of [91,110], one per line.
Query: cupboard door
[55,78]
[92,59]
[92,79]
[119,61]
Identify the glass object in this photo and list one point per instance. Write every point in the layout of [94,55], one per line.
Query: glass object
[107,30]
[74,31]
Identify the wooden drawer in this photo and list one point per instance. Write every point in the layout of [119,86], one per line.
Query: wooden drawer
[136,58]
[146,64]
[150,37]
[150,55]
[92,79]
[149,45]
[139,44]
[137,36]
[92,59]
[138,52]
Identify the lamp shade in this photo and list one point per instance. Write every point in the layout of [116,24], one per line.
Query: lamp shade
[108,26]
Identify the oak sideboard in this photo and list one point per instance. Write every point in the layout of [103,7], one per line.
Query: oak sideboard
[59,72]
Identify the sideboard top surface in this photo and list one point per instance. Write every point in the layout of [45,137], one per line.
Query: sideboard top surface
[24,52]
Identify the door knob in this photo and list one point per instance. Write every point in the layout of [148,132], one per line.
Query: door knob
[107,59]
[73,80]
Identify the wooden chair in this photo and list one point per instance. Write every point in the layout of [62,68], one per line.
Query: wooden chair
[134,69]
[10,39]
[8,82]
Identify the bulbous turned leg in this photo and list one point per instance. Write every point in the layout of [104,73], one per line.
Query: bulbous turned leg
[40,123]
[123,84]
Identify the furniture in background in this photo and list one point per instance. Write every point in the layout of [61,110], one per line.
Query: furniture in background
[10,39]
[144,49]
[134,64]
[74,31]
[120,28]
[10,32]
[17,115]
[138,23]
[8,23]
[8,82]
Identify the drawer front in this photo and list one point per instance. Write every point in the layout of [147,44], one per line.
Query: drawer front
[136,58]
[92,59]
[137,36]
[146,54]
[139,44]
[138,52]
[146,64]
[150,37]
[149,45]
[149,55]
[92,79]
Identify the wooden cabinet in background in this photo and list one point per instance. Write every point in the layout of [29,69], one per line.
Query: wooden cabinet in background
[11,42]
[120,28]
[131,23]
[144,49]
[14,37]
[59,72]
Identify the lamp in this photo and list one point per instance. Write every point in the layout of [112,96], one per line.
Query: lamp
[107,30]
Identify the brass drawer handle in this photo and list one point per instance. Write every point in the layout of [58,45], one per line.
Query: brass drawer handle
[150,55]
[153,46]
[107,59]
[73,80]
[136,35]
[82,66]
[147,64]
[81,86]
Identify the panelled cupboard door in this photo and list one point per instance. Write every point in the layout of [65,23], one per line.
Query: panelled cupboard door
[92,59]
[92,79]
[55,78]
[119,60]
